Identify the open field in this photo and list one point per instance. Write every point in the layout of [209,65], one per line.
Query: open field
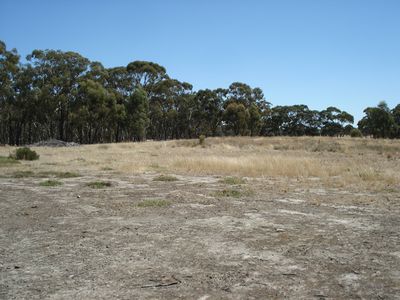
[237,218]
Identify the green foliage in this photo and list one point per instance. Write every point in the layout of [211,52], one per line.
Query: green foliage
[355,133]
[378,122]
[50,183]
[165,178]
[25,153]
[138,114]
[153,203]
[63,95]
[99,184]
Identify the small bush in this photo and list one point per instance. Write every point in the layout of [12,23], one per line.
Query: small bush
[153,203]
[354,133]
[25,153]
[165,178]
[99,184]
[202,139]
[50,183]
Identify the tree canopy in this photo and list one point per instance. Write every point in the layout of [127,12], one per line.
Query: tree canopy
[64,95]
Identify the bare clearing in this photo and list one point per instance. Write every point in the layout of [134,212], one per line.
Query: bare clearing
[302,218]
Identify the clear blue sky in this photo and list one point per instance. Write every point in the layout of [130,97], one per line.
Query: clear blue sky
[344,53]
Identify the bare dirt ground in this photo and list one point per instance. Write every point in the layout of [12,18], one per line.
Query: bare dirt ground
[266,238]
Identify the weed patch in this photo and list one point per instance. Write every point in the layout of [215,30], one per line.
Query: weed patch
[229,193]
[99,184]
[50,183]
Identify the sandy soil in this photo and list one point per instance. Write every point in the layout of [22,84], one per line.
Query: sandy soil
[279,238]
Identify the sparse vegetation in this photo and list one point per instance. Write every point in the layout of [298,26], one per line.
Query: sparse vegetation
[106,169]
[327,147]
[7,161]
[233,180]
[235,157]
[23,174]
[25,153]
[58,174]
[50,183]
[154,203]
[229,193]
[99,184]
[165,178]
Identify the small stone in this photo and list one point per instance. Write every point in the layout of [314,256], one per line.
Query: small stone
[78,196]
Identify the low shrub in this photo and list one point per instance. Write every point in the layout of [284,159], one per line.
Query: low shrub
[355,133]
[202,139]
[25,153]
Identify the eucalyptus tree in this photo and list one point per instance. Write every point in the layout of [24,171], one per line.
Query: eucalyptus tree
[9,68]
[378,122]
[207,112]
[57,76]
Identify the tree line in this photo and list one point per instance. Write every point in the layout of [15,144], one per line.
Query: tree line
[66,96]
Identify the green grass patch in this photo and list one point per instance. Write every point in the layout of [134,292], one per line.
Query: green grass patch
[154,203]
[99,184]
[233,180]
[165,178]
[50,183]
[23,174]
[8,161]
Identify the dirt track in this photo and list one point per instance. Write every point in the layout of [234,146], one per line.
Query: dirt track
[277,240]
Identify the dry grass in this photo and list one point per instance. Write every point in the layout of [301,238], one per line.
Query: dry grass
[340,160]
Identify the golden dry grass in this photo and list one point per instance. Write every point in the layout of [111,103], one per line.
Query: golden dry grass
[344,160]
